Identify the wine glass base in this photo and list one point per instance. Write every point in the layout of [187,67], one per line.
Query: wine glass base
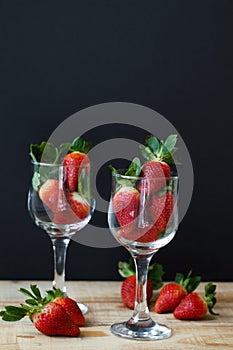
[83,307]
[137,332]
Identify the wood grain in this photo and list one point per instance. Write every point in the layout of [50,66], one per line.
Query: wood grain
[105,308]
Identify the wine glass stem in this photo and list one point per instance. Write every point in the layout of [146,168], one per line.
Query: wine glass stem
[141,311]
[59,251]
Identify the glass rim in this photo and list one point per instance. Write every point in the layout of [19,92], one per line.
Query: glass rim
[59,164]
[127,177]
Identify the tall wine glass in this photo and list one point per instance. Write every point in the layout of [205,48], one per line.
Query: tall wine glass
[143,218]
[61,213]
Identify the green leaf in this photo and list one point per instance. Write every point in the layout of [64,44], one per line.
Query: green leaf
[146,153]
[36,181]
[153,143]
[210,298]
[50,154]
[15,310]
[62,151]
[26,292]
[44,152]
[155,274]
[36,151]
[170,142]
[179,278]
[31,302]
[189,283]
[36,292]
[134,168]
[80,145]
[126,269]
[10,318]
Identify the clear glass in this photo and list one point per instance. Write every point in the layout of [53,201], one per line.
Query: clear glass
[143,217]
[60,212]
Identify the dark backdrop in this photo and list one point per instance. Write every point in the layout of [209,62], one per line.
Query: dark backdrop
[175,57]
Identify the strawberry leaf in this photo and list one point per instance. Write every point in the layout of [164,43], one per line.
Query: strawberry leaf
[155,275]
[153,144]
[80,145]
[134,168]
[169,144]
[126,269]
[210,297]
[147,153]
[36,292]
[189,283]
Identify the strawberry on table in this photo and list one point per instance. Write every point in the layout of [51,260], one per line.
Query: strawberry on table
[159,156]
[172,293]
[72,309]
[52,319]
[128,287]
[128,291]
[52,315]
[75,160]
[194,307]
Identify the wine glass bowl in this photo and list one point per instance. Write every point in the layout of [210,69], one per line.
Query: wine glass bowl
[59,211]
[143,217]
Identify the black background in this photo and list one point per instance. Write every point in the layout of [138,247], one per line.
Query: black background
[175,57]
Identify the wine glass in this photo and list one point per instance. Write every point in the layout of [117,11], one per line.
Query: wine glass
[143,217]
[60,212]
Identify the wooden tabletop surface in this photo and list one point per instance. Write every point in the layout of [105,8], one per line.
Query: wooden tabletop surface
[105,308]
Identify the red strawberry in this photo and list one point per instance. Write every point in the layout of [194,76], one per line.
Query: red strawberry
[169,297]
[193,307]
[72,309]
[52,195]
[128,291]
[76,161]
[145,235]
[65,217]
[72,162]
[53,320]
[159,155]
[49,316]
[161,209]
[126,205]
[159,171]
[79,205]
[172,293]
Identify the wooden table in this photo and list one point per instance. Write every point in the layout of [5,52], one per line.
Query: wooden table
[105,308]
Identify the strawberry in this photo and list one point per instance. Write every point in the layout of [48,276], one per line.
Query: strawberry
[126,199]
[194,307]
[78,204]
[128,288]
[172,293]
[161,208]
[145,235]
[65,217]
[77,209]
[72,309]
[159,155]
[128,291]
[52,319]
[51,315]
[52,195]
[75,162]
[126,205]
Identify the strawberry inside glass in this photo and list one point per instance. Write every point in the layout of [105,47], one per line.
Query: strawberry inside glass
[143,217]
[60,199]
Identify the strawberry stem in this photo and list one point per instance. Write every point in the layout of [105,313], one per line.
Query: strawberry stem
[210,297]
